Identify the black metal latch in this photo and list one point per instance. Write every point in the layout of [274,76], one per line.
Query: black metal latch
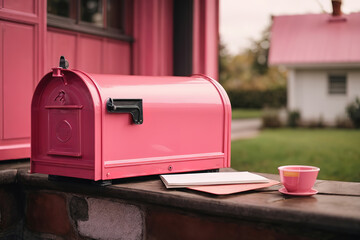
[132,106]
[63,63]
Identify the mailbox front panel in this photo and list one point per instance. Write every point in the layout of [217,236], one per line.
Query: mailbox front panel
[63,127]
[64,130]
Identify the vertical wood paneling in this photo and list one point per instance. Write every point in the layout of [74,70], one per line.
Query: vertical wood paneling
[212,38]
[27,6]
[166,21]
[90,54]
[153,25]
[18,72]
[22,53]
[206,37]
[49,61]
[60,44]
[40,37]
[198,31]
[116,57]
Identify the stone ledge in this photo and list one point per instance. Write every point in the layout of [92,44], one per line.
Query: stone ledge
[327,211]
[8,176]
[335,209]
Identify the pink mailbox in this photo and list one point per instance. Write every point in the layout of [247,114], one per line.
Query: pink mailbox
[103,127]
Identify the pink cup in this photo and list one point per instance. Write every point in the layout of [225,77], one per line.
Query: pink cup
[297,178]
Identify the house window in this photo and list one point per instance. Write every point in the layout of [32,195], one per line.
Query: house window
[91,12]
[98,17]
[337,84]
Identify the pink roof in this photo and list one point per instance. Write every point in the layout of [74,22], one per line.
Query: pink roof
[313,39]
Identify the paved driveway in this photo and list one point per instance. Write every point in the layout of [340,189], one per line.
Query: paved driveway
[245,128]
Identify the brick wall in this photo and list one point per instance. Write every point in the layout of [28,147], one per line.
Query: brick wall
[11,212]
[47,214]
[32,207]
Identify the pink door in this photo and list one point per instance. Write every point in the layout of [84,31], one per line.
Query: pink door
[21,34]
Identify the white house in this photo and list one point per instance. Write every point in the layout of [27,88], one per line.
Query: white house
[322,55]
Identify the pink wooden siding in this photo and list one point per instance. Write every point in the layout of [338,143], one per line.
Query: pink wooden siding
[28,50]
[153,46]
[20,5]
[22,29]
[117,58]
[17,67]
[60,43]
[90,58]
[206,37]
[89,53]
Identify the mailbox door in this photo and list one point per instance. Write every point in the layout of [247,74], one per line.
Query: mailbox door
[63,127]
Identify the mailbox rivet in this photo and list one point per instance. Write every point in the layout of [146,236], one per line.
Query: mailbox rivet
[108,174]
[170,168]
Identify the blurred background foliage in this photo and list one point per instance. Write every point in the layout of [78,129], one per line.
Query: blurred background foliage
[247,78]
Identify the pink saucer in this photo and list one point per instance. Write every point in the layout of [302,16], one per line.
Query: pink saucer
[309,193]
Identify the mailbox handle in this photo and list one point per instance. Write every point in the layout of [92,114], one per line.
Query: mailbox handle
[132,106]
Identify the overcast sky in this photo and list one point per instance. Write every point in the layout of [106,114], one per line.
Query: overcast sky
[242,20]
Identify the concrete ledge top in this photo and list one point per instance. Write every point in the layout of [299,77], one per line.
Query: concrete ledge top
[336,206]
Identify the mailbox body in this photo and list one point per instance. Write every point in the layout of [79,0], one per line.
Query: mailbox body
[186,125]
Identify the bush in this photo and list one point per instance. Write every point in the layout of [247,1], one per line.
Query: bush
[315,123]
[270,119]
[293,119]
[343,122]
[258,99]
[353,111]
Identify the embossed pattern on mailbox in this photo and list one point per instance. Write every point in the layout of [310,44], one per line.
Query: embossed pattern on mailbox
[103,127]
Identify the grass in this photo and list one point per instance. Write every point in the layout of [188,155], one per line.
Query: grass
[336,152]
[238,113]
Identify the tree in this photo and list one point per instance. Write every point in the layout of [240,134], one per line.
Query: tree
[224,57]
[249,69]
[261,52]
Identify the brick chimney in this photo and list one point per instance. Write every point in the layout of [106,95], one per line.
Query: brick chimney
[336,5]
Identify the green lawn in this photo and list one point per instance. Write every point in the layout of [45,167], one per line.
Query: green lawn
[246,113]
[336,152]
